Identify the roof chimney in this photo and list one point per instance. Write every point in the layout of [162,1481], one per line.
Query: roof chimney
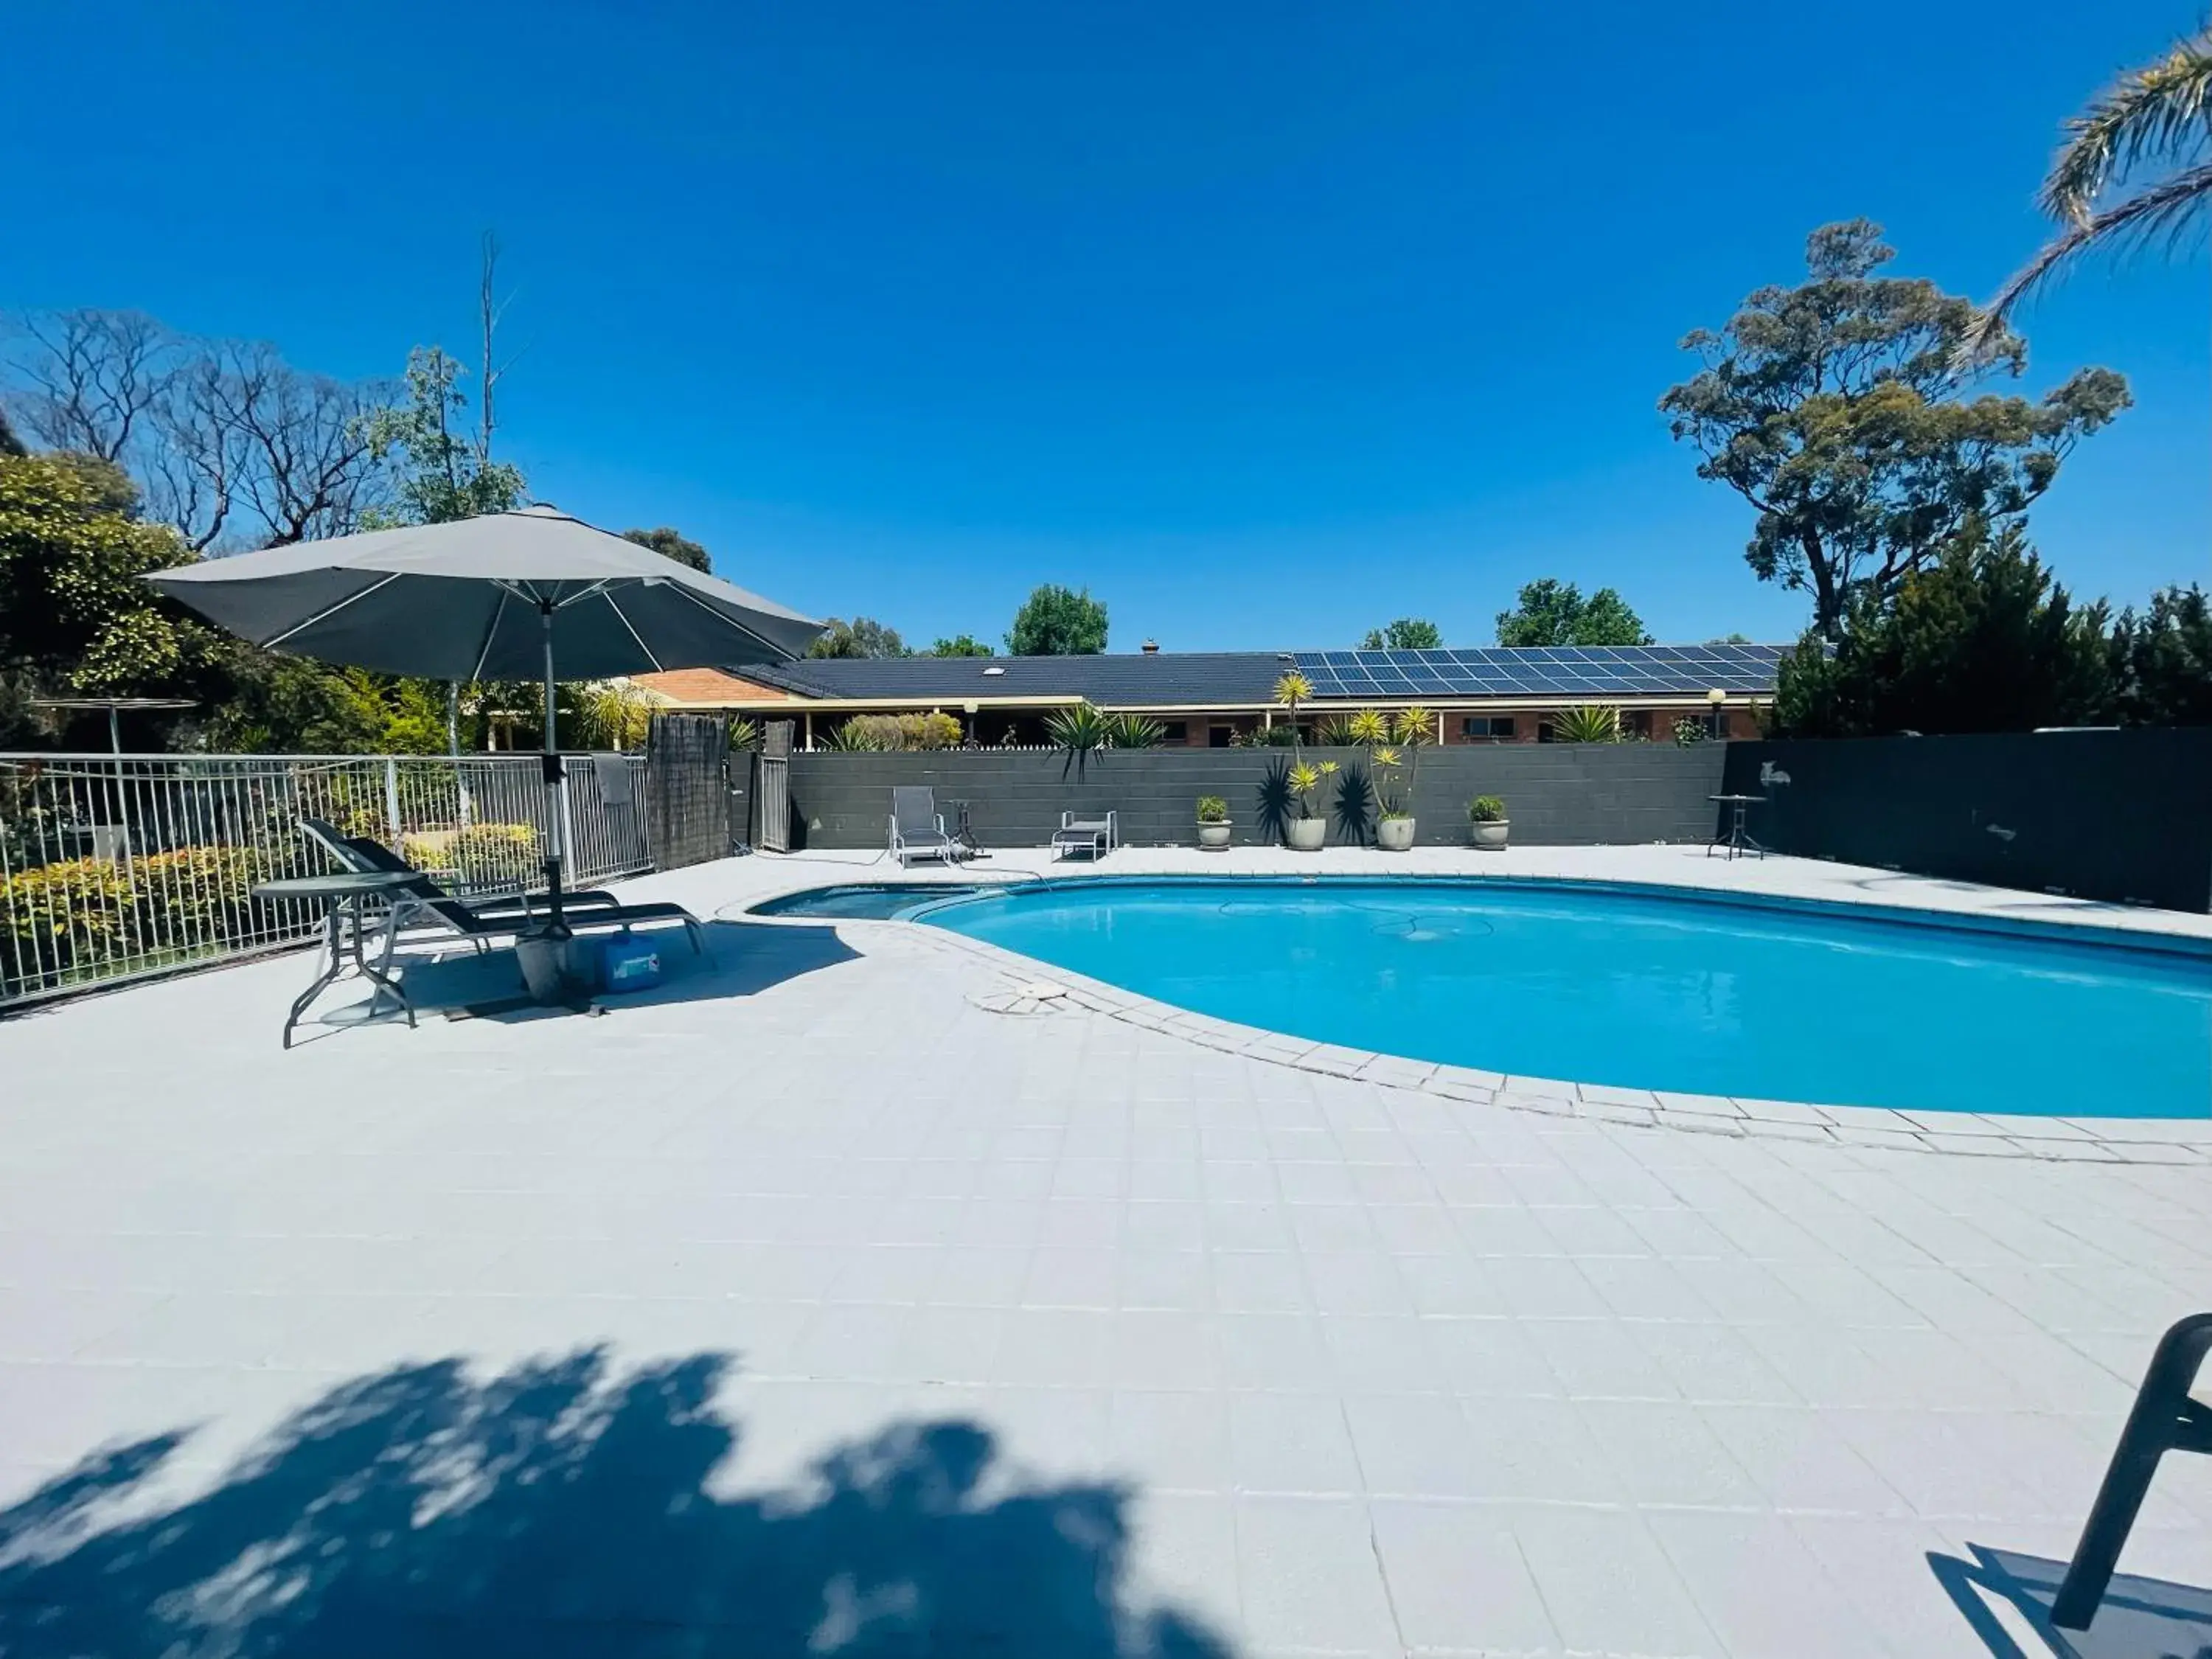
[1151,647]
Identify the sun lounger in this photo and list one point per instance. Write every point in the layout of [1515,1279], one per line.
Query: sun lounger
[1093,837]
[365,853]
[917,826]
[435,907]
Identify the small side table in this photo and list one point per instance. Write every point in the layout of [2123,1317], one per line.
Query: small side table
[1736,841]
[347,924]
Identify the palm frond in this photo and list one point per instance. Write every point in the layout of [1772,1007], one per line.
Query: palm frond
[2159,112]
[2164,207]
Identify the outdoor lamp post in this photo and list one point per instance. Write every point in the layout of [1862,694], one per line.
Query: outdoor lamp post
[1714,699]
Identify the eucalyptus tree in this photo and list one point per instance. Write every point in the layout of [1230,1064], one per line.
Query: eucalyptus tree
[1845,411]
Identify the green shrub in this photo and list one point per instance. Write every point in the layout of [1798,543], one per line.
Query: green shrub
[1212,809]
[476,855]
[73,915]
[935,730]
[874,733]
[1486,809]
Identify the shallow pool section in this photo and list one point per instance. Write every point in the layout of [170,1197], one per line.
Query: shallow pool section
[1642,990]
[866,900]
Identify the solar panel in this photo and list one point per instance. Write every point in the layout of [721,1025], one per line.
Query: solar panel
[1580,671]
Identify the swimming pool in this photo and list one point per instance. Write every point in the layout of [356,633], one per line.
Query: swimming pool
[1641,989]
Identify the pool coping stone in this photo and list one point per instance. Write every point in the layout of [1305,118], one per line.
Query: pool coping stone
[1957,1134]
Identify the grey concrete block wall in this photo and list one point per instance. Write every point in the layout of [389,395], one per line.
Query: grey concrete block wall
[1556,795]
[2123,816]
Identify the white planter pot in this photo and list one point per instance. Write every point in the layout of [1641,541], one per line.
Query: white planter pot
[1306,835]
[1214,835]
[1394,834]
[1490,835]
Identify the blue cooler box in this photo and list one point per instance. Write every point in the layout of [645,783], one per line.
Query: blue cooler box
[628,962]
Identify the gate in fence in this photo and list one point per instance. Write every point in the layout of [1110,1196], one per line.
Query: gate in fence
[687,790]
[115,867]
[776,787]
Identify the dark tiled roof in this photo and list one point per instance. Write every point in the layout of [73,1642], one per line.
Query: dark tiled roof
[1121,681]
[1225,678]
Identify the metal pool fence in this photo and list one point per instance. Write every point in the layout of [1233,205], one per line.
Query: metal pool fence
[114,867]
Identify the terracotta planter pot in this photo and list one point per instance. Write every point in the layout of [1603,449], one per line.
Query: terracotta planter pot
[1491,834]
[1306,835]
[1214,835]
[1394,834]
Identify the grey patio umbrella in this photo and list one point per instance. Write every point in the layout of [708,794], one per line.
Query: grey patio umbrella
[505,596]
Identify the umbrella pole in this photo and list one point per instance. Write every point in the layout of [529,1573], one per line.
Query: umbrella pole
[554,785]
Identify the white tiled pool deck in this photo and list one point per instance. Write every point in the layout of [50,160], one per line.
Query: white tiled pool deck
[810,1305]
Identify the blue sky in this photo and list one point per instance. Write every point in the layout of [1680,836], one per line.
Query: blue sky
[1266,322]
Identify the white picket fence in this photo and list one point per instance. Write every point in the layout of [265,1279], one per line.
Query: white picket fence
[115,867]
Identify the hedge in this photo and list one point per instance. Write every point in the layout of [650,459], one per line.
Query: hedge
[84,912]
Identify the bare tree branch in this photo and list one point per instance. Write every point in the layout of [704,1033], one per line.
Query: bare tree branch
[227,440]
[89,378]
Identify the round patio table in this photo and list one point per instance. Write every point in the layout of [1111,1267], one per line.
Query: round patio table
[1735,841]
[346,922]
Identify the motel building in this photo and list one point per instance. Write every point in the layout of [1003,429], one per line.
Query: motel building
[1215,699]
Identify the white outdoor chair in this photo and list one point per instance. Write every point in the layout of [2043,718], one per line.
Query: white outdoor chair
[1093,837]
[917,826]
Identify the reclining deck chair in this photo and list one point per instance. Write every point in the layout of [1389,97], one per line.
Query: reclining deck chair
[917,826]
[589,910]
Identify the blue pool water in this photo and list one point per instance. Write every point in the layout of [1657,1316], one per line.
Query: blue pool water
[1645,991]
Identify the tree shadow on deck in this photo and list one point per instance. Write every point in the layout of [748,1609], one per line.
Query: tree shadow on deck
[564,1509]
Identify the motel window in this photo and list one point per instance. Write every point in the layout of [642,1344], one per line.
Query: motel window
[1478,727]
[1178,732]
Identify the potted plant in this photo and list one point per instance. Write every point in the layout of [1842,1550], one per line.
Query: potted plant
[1394,822]
[1305,832]
[1213,825]
[1407,732]
[1486,813]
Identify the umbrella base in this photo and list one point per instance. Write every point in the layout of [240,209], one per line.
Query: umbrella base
[546,958]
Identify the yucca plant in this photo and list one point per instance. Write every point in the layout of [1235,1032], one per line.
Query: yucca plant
[1370,726]
[1306,777]
[1080,729]
[1292,688]
[1592,722]
[1392,801]
[1129,731]
[1412,728]
[857,735]
[1338,732]
[745,734]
